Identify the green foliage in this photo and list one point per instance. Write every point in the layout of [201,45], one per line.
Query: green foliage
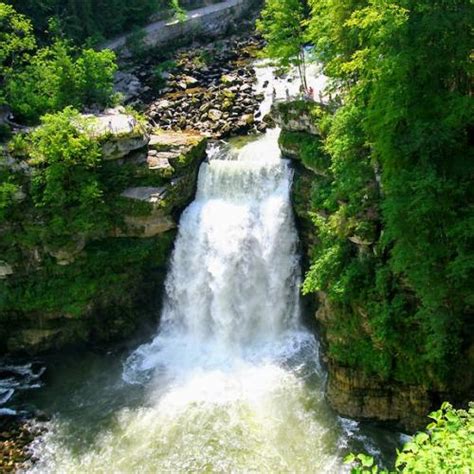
[108,271]
[447,445]
[16,42]
[65,183]
[58,76]
[394,218]
[307,148]
[283,25]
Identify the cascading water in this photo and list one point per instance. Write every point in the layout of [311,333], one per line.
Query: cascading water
[232,289]
[231,381]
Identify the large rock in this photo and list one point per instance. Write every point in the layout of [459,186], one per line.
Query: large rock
[181,149]
[353,394]
[119,133]
[298,115]
[127,84]
[5,270]
[35,340]
[150,217]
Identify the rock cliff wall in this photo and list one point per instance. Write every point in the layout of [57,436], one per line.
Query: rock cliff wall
[96,286]
[372,389]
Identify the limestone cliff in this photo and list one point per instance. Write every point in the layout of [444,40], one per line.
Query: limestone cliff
[104,283]
[367,380]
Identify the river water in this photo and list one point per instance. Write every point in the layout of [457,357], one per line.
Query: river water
[231,380]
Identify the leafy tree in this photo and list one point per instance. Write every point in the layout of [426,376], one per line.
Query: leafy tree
[16,42]
[59,76]
[83,19]
[66,184]
[395,224]
[445,446]
[283,25]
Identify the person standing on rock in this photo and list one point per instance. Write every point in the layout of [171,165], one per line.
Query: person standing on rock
[274,94]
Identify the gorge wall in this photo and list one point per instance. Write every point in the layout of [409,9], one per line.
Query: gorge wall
[369,378]
[97,278]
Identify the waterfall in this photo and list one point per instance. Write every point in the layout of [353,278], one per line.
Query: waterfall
[233,285]
[231,381]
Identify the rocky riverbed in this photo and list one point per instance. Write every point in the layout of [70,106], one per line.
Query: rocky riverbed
[18,429]
[207,88]
[16,437]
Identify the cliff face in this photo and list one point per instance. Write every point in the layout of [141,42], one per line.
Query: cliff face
[102,283]
[367,378]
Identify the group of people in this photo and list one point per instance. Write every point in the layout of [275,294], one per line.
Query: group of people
[307,94]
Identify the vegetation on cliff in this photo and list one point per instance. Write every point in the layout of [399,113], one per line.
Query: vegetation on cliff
[35,80]
[445,446]
[394,218]
[71,268]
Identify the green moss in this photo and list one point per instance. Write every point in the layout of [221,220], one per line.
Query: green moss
[101,289]
[307,148]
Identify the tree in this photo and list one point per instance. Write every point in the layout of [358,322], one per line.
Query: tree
[59,76]
[401,154]
[66,185]
[445,446]
[283,25]
[16,42]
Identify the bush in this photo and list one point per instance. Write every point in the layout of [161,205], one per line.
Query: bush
[66,183]
[59,76]
[445,446]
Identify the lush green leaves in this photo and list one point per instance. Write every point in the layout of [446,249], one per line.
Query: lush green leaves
[65,182]
[58,76]
[394,224]
[446,446]
[283,25]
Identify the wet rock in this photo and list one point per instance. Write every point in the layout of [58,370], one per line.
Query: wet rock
[298,115]
[118,132]
[35,340]
[214,115]
[5,270]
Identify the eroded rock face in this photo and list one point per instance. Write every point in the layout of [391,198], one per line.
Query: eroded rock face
[101,286]
[355,395]
[297,116]
[174,158]
[118,132]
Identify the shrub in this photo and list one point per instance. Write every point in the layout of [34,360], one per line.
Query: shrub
[446,446]
[59,76]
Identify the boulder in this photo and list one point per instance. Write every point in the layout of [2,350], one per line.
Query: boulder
[214,115]
[298,116]
[151,219]
[228,79]
[182,149]
[118,132]
[35,340]
[127,84]
[5,270]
